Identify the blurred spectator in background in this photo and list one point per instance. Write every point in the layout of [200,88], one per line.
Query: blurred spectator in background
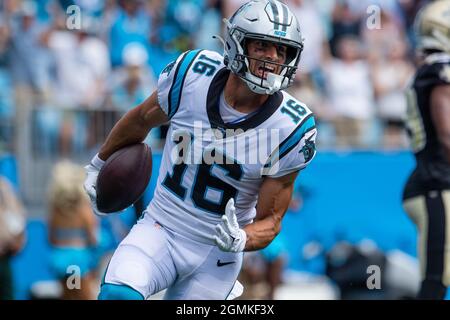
[310,94]
[165,28]
[262,271]
[379,41]
[355,266]
[184,18]
[345,22]
[252,276]
[130,84]
[82,67]
[4,36]
[390,77]
[132,23]
[106,19]
[275,255]
[12,235]
[28,60]
[72,231]
[210,24]
[6,99]
[350,93]
[316,43]
[90,7]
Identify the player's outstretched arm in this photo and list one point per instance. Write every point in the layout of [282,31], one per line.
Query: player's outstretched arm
[273,201]
[134,126]
[440,111]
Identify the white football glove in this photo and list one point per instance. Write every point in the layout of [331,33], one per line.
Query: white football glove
[229,237]
[90,182]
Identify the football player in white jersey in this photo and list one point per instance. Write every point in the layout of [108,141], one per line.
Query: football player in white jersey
[205,214]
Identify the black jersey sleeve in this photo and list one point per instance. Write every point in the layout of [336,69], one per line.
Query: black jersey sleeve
[434,74]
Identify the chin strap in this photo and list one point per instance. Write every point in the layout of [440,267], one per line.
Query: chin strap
[269,86]
[274,81]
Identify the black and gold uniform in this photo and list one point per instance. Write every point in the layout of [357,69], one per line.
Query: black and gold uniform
[433,169]
[426,196]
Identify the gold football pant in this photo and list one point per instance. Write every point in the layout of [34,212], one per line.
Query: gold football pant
[431,214]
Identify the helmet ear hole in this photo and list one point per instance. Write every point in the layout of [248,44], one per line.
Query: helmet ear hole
[291,54]
[244,46]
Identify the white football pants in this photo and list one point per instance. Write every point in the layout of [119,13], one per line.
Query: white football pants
[152,258]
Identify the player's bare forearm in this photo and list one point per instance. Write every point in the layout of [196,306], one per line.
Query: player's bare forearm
[273,201]
[261,233]
[134,126]
[440,110]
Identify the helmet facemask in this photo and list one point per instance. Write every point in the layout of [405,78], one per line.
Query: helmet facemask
[273,81]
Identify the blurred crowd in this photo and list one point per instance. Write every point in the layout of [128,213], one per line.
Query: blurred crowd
[105,55]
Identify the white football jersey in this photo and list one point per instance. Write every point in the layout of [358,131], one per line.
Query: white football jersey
[221,160]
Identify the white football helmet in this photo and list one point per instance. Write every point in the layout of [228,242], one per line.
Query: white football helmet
[432,26]
[267,20]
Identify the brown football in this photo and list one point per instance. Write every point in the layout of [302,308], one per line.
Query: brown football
[124,178]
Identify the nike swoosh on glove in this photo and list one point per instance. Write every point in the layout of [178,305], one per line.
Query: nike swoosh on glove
[229,237]
[90,182]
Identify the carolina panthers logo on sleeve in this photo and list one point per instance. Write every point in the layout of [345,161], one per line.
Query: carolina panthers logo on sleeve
[168,68]
[309,149]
